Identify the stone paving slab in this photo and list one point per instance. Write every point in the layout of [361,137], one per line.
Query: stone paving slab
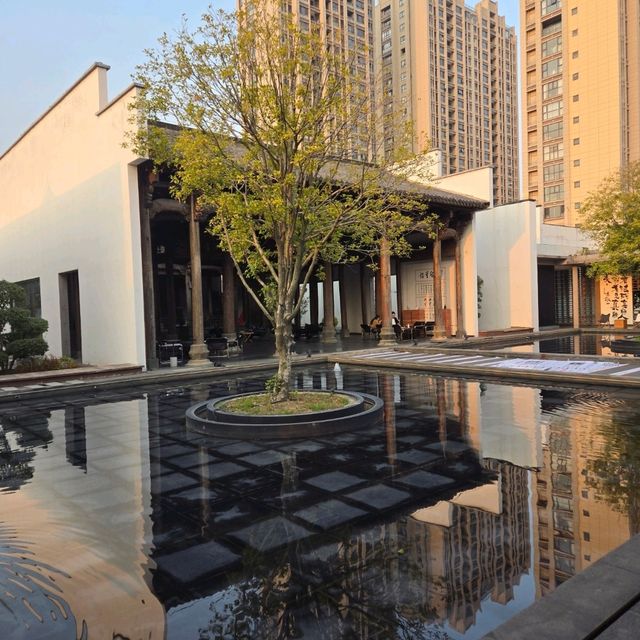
[194,562]
[626,627]
[585,606]
[535,368]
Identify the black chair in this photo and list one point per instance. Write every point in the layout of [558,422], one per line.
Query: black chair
[605,320]
[366,331]
[419,330]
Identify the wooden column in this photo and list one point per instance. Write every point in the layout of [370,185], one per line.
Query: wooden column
[399,288]
[228,298]
[460,332]
[148,292]
[313,301]
[575,297]
[198,353]
[344,320]
[171,297]
[364,292]
[328,328]
[383,305]
[439,332]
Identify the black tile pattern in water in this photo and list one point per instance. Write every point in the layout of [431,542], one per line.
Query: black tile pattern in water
[314,538]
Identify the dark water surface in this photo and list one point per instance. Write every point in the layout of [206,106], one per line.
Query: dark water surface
[466,504]
[588,344]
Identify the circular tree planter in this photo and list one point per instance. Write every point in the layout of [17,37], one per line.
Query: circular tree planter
[364,410]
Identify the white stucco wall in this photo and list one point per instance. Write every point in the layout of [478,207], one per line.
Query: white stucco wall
[558,241]
[70,202]
[507,264]
[477,183]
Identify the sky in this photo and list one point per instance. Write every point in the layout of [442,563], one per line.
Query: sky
[46,45]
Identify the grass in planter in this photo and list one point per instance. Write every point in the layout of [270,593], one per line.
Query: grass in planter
[299,402]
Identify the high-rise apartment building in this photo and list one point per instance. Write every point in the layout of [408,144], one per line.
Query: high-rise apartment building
[451,71]
[347,27]
[581,98]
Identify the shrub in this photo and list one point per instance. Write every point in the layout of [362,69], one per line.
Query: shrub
[46,363]
[20,333]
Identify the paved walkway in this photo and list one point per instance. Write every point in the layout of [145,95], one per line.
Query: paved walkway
[533,367]
[600,603]
[258,357]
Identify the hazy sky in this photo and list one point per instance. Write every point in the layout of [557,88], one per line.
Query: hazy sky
[46,45]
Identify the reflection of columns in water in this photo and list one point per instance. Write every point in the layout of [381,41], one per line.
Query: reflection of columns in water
[338,377]
[462,403]
[441,401]
[289,475]
[75,436]
[389,415]
[203,457]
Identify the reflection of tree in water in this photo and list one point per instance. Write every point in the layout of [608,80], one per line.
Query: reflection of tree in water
[613,470]
[31,601]
[31,431]
[311,595]
[397,580]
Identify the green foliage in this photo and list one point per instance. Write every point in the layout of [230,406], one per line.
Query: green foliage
[20,333]
[274,385]
[269,121]
[612,217]
[45,363]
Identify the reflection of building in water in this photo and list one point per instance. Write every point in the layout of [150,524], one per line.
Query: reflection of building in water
[573,526]
[437,565]
[85,512]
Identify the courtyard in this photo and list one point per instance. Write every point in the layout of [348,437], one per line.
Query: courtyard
[467,502]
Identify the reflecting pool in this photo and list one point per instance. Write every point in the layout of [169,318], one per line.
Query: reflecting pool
[469,501]
[588,344]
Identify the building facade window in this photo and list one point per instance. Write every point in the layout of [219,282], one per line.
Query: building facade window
[552,110]
[553,152]
[554,192]
[552,89]
[549,6]
[552,46]
[550,131]
[554,211]
[552,68]
[553,172]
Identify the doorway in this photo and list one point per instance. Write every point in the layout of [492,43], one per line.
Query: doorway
[70,315]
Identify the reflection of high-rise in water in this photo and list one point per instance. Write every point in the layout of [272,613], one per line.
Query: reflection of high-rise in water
[573,524]
[437,565]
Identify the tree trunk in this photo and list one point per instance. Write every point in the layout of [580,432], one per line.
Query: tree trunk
[284,342]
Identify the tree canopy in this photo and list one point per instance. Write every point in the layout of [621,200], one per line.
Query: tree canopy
[611,214]
[276,135]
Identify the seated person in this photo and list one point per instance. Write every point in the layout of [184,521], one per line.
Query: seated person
[376,325]
[395,323]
